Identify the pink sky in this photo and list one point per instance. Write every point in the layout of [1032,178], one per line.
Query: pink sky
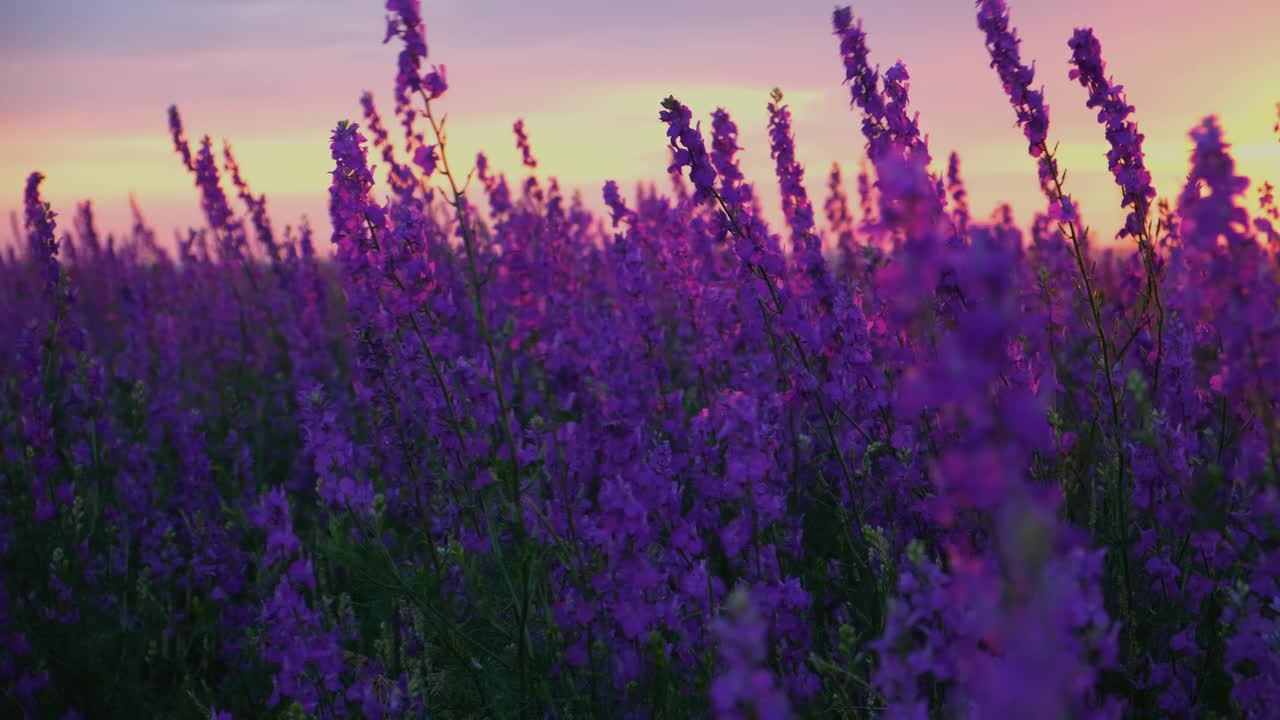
[86,85]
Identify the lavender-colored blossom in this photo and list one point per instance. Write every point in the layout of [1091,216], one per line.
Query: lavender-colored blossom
[40,232]
[958,195]
[425,158]
[1003,46]
[404,20]
[435,83]
[863,80]
[1208,202]
[179,138]
[724,158]
[350,209]
[886,124]
[796,207]
[617,206]
[522,144]
[513,457]
[744,688]
[1125,158]
[256,205]
[688,149]
[212,197]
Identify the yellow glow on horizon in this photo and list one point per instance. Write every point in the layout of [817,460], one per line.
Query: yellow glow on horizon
[612,132]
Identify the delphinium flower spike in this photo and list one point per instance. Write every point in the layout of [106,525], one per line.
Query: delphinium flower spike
[256,205]
[724,158]
[179,138]
[796,207]
[1126,162]
[617,206]
[840,220]
[1003,45]
[404,20]
[958,195]
[688,148]
[512,458]
[400,177]
[1125,158]
[760,259]
[885,123]
[522,144]
[40,233]
[355,218]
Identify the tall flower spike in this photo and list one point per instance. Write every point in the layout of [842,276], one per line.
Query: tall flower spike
[87,228]
[350,209]
[256,204]
[1206,217]
[1028,104]
[688,149]
[374,121]
[959,196]
[837,203]
[617,206]
[863,80]
[522,144]
[179,138]
[212,197]
[724,158]
[796,207]
[1125,157]
[40,231]
[901,127]
[885,119]
[1002,45]
[405,21]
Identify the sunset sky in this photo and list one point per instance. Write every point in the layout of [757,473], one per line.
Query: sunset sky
[86,84]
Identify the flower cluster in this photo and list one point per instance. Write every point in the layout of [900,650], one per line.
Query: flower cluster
[490,453]
[522,144]
[689,150]
[1003,45]
[1125,158]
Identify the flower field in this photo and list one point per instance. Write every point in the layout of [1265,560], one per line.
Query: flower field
[485,453]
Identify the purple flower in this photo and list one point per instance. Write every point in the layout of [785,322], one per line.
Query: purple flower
[724,158]
[425,158]
[1125,158]
[688,149]
[1002,44]
[435,83]
[796,207]
[522,143]
[1208,203]
[179,139]
[272,515]
[405,21]
[256,204]
[212,198]
[743,687]
[863,80]
[40,232]
[886,123]
[350,209]
[617,206]
[958,195]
